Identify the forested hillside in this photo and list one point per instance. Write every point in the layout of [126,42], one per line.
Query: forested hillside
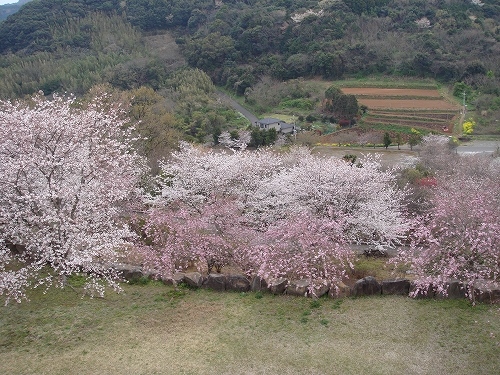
[57,45]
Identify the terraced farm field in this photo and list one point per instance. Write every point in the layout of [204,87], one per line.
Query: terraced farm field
[410,104]
[415,108]
[358,91]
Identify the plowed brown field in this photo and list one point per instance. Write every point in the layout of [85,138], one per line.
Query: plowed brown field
[446,116]
[390,92]
[419,108]
[407,104]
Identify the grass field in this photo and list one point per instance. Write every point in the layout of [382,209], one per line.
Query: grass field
[153,329]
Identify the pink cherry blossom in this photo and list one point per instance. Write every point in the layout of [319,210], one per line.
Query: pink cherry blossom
[459,238]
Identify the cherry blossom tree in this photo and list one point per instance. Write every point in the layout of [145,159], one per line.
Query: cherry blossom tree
[436,153]
[194,175]
[237,207]
[300,247]
[423,23]
[460,237]
[240,143]
[176,237]
[164,244]
[269,186]
[68,170]
[305,247]
[366,196]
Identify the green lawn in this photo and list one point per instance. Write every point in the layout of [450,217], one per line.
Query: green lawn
[154,330]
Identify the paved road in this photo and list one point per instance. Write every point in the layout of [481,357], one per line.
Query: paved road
[478,147]
[237,107]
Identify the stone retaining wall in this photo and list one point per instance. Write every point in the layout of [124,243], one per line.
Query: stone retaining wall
[364,287]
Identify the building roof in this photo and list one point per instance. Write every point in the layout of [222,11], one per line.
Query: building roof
[284,127]
[269,120]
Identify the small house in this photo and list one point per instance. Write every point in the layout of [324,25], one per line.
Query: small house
[280,125]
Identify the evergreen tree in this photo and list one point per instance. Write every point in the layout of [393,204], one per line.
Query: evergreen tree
[387,140]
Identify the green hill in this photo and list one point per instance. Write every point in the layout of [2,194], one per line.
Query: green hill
[61,45]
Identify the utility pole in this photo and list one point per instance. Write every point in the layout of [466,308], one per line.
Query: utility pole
[294,128]
[465,106]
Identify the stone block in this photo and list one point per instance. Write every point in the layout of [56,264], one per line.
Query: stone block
[340,291]
[429,292]
[175,279]
[487,292]
[194,279]
[128,271]
[298,288]
[238,283]
[320,289]
[258,284]
[216,281]
[278,286]
[454,290]
[396,286]
[367,286]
